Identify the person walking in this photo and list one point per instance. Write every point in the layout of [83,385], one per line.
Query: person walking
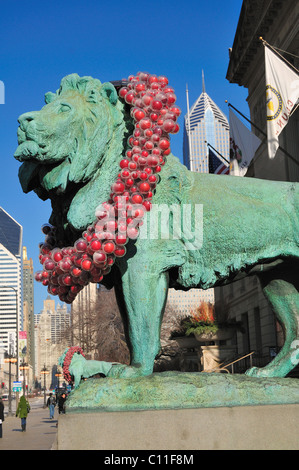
[51,404]
[22,411]
[61,404]
[1,415]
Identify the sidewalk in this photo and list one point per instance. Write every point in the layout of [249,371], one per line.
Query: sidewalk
[40,431]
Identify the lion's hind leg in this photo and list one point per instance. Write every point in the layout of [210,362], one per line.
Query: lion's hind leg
[281,289]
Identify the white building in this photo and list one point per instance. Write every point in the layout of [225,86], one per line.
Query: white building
[208,125]
[10,281]
[182,302]
[52,325]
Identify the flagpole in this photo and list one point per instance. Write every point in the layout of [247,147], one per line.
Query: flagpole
[189,130]
[265,43]
[248,120]
[262,132]
[209,145]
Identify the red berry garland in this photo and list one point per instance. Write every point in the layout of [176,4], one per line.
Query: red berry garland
[67,361]
[67,270]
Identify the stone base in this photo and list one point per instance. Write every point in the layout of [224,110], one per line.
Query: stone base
[178,390]
[272,427]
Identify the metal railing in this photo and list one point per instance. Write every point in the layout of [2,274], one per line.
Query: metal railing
[224,367]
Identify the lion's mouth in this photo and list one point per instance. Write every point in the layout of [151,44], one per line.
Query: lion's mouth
[29,175]
[27,150]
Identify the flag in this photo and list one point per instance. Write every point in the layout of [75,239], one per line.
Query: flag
[282,93]
[243,145]
[217,166]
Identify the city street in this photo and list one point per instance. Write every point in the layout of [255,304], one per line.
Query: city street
[40,430]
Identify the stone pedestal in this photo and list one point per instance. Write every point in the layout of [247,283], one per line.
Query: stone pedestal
[272,427]
[175,410]
[214,356]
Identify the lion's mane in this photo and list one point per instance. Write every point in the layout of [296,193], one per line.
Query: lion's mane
[76,138]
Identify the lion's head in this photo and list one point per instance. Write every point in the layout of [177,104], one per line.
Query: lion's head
[78,152]
[66,145]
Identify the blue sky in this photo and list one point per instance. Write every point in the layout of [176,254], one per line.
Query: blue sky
[43,41]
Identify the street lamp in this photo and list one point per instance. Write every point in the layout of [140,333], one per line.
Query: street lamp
[24,366]
[10,360]
[58,375]
[44,372]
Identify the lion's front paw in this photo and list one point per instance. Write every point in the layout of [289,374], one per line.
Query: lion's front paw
[261,372]
[123,371]
[253,372]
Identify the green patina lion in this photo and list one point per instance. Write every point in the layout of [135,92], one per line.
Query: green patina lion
[71,150]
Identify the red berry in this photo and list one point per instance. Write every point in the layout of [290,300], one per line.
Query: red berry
[118,187]
[171,99]
[168,125]
[108,247]
[130,97]
[100,257]
[120,251]
[76,271]
[139,114]
[49,265]
[137,199]
[67,280]
[129,182]
[147,205]
[132,232]
[95,245]
[121,239]
[156,105]
[164,144]
[144,187]
[147,99]
[57,256]
[86,264]
[124,163]
[163,81]
[123,91]
[152,161]
[152,179]
[145,123]
[140,87]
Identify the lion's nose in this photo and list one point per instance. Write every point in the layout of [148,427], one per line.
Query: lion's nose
[26,117]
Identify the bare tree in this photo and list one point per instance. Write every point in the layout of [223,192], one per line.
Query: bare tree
[97,327]
[110,338]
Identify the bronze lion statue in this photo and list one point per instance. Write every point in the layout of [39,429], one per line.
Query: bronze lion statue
[71,151]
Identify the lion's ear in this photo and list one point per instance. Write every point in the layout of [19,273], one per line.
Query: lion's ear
[49,97]
[108,91]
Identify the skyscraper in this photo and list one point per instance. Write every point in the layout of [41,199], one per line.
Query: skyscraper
[10,281]
[208,125]
[28,306]
[51,337]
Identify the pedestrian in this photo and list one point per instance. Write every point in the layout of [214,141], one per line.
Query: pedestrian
[61,403]
[1,415]
[22,411]
[51,404]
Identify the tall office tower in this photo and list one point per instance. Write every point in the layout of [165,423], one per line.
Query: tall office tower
[28,306]
[51,337]
[208,125]
[60,324]
[11,307]
[83,311]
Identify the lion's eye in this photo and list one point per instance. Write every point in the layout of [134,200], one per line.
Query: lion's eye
[64,108]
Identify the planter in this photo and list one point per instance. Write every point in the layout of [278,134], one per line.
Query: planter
[222,334]
[186,342]
[214,356]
